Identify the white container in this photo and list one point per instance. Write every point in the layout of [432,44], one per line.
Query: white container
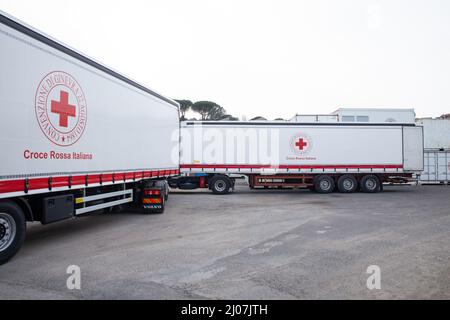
[436,167]
[375,115]
[63,114]
[264,147]
[436,133]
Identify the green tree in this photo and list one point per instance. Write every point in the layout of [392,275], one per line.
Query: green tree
[209,110]
[184,107]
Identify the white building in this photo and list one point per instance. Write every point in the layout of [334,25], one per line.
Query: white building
[382,115]
[314,118]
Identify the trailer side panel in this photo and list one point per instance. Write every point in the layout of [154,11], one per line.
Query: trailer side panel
[64,119]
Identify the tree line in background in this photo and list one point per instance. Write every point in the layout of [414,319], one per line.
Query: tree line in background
[208,110]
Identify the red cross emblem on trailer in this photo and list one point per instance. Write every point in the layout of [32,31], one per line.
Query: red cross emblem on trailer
[301,143]
[61,109]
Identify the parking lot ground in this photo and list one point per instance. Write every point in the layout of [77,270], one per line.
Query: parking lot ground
[252,244]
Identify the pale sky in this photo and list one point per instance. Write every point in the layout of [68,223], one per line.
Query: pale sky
[269,58]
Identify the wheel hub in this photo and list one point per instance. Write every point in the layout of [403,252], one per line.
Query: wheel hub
[7,230]
[220,185]
[348,184]
[370,184]
[324,184]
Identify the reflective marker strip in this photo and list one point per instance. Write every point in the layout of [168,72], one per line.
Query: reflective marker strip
[151,200]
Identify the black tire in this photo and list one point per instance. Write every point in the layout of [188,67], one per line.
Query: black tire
[324,184]
[166,190]
[370,184]
[347,184]
[12,230]
[220,184]
[164,185]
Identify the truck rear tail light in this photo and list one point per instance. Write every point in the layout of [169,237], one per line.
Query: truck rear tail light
[152,192]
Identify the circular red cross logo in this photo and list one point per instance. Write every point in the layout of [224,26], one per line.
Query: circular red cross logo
[301,143]
[61,109]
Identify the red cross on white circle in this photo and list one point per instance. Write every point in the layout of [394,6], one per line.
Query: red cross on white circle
[63,109]
[301,143]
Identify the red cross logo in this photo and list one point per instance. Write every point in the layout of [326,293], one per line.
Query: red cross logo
[301,144]
[63,108]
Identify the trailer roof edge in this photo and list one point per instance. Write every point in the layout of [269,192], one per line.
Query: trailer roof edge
[273,123]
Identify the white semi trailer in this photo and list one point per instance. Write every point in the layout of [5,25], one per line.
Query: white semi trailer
[75,136]
[320,156]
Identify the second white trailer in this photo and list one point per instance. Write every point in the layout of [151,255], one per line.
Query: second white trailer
[316,155]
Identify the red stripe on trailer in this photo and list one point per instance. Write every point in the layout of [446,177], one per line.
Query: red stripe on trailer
[108,177]
[12,186]
[129,175]
[78,180]
[38,183]
[343,166]
[282,166]
[58,182]
[93,178]
[22,185]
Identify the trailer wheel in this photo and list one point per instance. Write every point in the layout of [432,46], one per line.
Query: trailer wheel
[166,190]
[370,184]
[12,230]
[166,193]
[220,184]
[324,184]
[347,184]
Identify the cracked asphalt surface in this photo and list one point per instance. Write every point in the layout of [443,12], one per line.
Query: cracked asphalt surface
[252,244]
